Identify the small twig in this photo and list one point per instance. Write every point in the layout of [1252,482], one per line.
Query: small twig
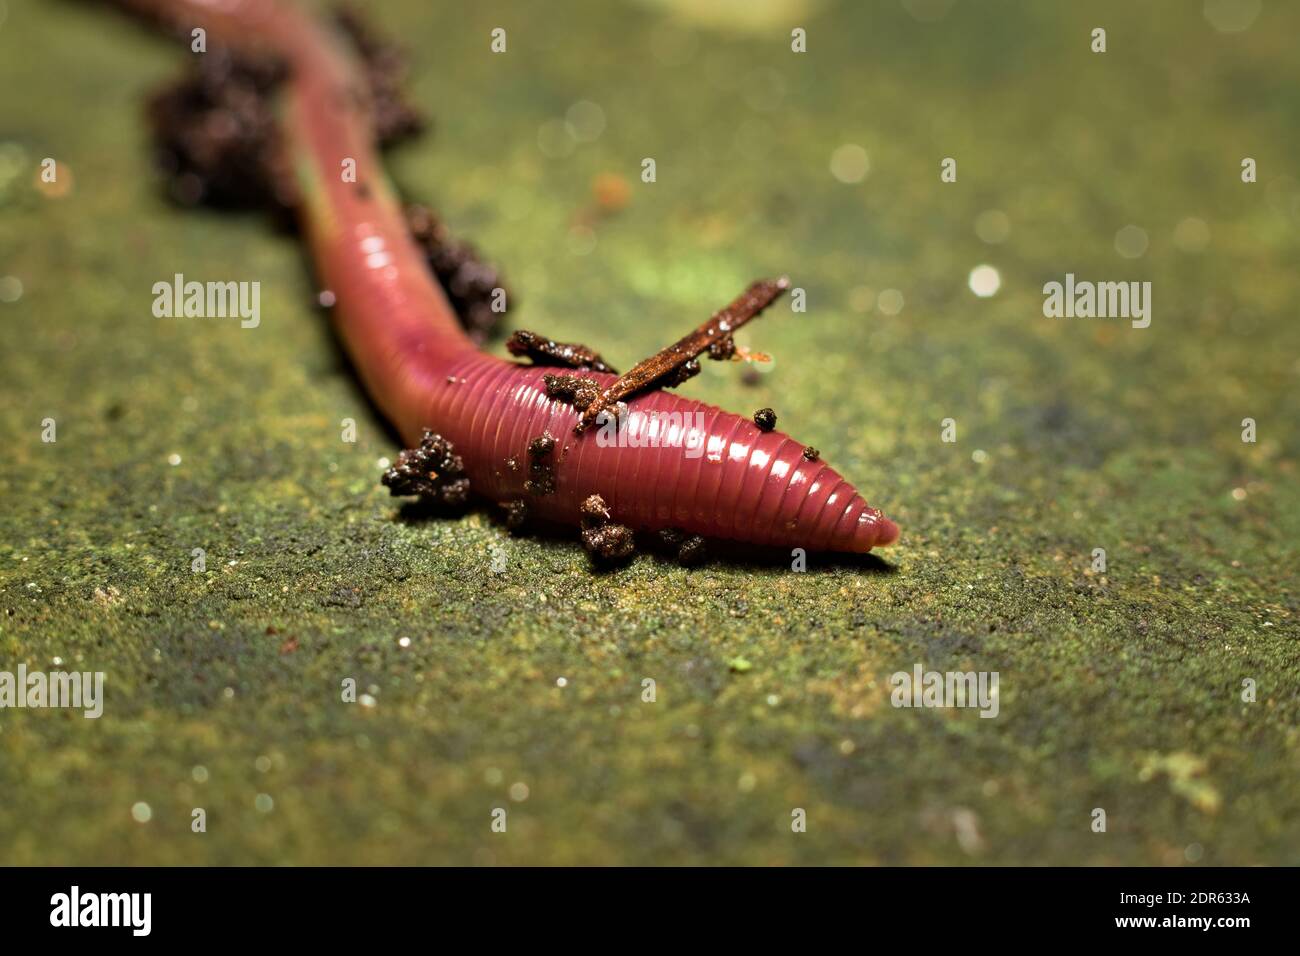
[676,363]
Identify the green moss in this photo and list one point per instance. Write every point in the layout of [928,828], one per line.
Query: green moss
[1120,690]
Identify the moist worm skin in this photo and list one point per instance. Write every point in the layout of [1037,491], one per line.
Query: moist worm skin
[724,479]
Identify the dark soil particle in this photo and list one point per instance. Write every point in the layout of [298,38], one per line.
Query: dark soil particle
[541,471]
[611,542]
[765,419]
[433,471]
[572,390]
[394,118]
[216,137]
[544,351]
[603,539]
[811,454]
[682,374]
[723,349]
[470,282]
[595,512]
[688,549]
[516,514]
[693,551]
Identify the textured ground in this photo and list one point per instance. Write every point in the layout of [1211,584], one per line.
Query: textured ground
[523,689]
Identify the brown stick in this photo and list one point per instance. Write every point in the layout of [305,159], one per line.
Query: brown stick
[666,366]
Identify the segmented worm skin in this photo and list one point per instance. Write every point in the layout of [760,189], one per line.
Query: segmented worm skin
[717,475]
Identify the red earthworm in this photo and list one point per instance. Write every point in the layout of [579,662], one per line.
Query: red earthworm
[424,372]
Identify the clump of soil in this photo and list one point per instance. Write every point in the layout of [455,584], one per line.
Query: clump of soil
[541,466]
[216,136]
[688,549]
[543,351]
[394,117]
[604,539]
[516,513]
[433,471]
[471,282]
[572,390]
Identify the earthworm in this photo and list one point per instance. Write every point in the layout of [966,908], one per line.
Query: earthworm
[424,372]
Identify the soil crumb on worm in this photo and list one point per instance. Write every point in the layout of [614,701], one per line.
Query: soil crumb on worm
[217,138]
[433,472]
[604,539]
[687,549]
[474,286]
[516,513]
[393,115]
[543,351]
[541,466]
[572,390]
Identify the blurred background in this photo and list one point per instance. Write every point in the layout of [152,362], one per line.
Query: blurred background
[1120,689]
